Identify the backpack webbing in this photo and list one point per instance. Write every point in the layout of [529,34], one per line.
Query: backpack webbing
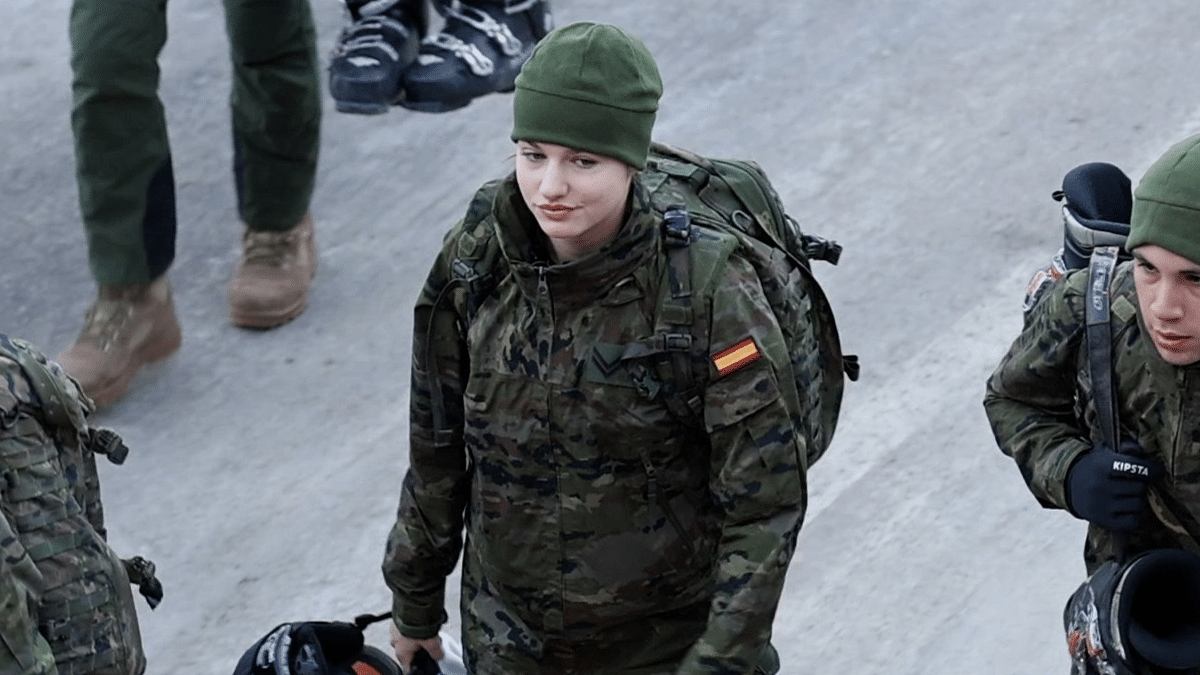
[51,498]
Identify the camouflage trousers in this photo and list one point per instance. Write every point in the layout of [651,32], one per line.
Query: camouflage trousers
[123,159]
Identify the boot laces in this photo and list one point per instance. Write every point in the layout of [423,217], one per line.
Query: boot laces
[106,318]
[268,247]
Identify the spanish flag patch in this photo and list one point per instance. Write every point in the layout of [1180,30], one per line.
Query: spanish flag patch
[741,354]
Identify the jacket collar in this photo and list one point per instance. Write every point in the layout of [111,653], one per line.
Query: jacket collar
[576,282]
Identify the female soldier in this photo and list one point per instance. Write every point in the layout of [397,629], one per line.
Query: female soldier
[605,532]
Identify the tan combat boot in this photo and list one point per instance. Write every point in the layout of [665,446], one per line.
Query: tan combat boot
[127,327]
[270,285]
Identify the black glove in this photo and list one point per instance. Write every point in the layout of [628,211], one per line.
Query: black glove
[1109,489]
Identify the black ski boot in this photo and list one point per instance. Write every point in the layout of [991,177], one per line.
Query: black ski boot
[480,50]
[366,66]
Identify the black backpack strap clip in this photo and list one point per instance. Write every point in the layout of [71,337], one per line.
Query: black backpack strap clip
[819,248]
[143,575]
[677,235]
[108,443]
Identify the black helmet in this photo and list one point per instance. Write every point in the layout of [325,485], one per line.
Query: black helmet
[1137,617]
[316,648]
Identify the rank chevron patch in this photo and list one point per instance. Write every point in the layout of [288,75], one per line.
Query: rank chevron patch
[741,354]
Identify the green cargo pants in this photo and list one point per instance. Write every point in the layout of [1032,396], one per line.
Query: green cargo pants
[123,159]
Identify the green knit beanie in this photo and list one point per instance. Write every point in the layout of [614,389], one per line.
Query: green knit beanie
[1166,204]
[590,87]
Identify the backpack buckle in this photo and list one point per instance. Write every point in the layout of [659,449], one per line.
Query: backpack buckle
[817,248]
[677,342]
[677,226]
[462,269]
[108,443]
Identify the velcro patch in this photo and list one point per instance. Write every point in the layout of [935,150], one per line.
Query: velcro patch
[741,354]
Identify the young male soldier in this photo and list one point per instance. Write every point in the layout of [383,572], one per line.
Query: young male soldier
[1144,495]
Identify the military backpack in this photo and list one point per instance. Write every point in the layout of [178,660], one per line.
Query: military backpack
[52,526]
[698,196]
[703,203]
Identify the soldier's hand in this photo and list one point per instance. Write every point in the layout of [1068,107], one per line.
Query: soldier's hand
[406,648]
[1109,488]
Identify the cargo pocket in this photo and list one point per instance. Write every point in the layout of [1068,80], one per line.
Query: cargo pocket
[738,395]
[769,465]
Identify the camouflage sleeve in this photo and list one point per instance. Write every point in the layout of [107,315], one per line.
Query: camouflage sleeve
[426,540]
[1030,398]
[757,473]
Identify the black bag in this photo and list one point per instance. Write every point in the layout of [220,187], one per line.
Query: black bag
[1138,616]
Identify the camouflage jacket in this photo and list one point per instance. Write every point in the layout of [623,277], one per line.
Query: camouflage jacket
[1042,415]
[589,508]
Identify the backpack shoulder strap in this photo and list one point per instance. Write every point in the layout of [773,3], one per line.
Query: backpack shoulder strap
[1099,341]
[1099,352]
[694,257]
[475,253]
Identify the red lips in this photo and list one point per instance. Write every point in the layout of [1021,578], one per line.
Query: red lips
[555,211]
[1169,340]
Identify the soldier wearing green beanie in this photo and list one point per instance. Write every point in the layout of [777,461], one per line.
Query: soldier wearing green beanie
[1042,405]
[592,87]
[605,532]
